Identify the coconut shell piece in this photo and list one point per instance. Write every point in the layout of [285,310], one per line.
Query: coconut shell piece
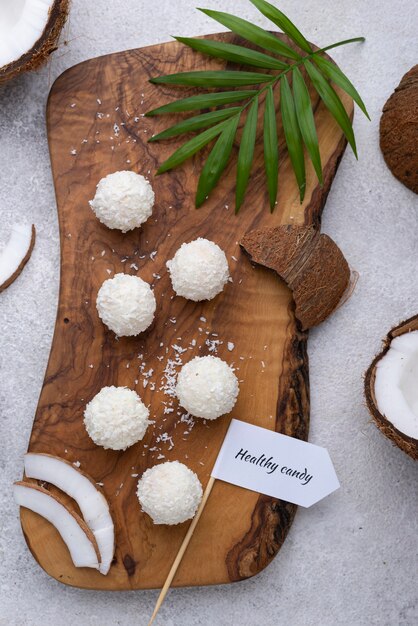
[405,443]
[22,264]
[310,263]
[399,130]
[40,51]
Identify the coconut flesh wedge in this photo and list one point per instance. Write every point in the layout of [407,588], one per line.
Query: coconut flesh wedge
[392,387]
[29,30]
[82,489]
[16,253]
[75,533]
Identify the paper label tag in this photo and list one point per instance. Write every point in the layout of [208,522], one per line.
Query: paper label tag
[276,465]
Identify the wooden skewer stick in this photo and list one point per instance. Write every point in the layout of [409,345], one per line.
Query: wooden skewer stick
[182,550]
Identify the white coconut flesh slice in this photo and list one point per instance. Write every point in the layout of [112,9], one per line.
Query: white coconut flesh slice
[22,23]
[396,384]
[74,531]
[82,489]
[16,253]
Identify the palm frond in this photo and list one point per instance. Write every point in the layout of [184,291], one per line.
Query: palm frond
[306,120]
[282,21]
[252,33]
[216,161]
[246,154]
[221,109]
[191,147]
[333,73]
[333,103]
[292,135]
[233,53]
[197,122]
[203,101]
[220,78]
[271,151]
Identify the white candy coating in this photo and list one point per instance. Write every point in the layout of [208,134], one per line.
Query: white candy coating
[123,200]
[116,418]
[199,270]
[207,387]
[169,493]
[126,304]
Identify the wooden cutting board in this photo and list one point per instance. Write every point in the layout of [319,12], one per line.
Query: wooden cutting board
[95,126]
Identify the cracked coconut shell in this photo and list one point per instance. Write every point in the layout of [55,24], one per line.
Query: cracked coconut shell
[309,262]
[37,53]
[403,441]
[399,130]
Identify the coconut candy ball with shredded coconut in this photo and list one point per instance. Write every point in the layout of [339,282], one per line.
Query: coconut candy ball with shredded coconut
[169,493]
[126,304]
[207,387]
[123,200]
[116,418]
[198,270]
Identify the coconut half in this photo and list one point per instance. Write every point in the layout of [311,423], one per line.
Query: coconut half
[16,253]
[309,262]
[75,533]
[29,30]
[391,387]
[82,489]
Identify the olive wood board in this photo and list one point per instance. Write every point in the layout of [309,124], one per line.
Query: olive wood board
[95,127]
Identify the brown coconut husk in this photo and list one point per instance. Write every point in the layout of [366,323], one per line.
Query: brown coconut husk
[309,262]
[399,130]
[47,43]
[405,443]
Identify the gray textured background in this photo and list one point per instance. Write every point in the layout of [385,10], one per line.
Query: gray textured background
[351,559]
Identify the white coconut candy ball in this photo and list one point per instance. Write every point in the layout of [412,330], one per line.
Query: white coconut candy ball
[169,493]
[126,304]
[207,387]
[116,418]
[199,270]
[123,200]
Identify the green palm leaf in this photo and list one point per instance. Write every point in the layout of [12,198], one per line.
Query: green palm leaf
[271,153]
[252,33]
[292,135]
[333,103]
[306,121]
[191,147]
[217,122]
[196,123]
[334,73]
[202,101]
[283,22]
[246,154]
[213,79]
[233,53]
[216,161]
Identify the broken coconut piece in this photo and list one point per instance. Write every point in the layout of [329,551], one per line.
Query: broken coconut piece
[312,265]
[29,32]
[16,253]
[78,485]
[74,531]
[399,130]
[391,387]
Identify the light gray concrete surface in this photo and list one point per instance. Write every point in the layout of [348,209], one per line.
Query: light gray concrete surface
[350,560]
